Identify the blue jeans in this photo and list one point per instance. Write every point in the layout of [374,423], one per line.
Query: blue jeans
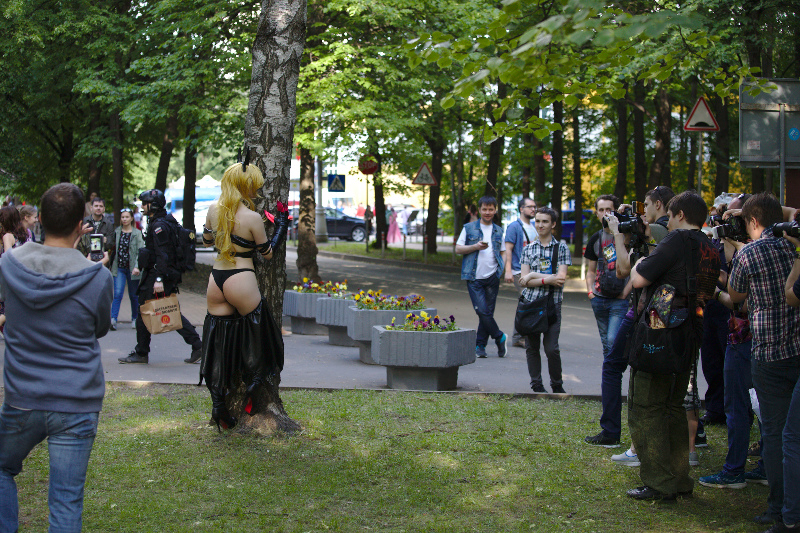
[608,312]
[70,437]
[614,365]
[483,293]
[777,384]
[738,382]
[123,275]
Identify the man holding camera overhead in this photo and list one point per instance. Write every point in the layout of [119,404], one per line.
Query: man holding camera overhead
[758,274]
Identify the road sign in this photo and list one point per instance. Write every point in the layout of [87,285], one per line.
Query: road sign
[424,176]
[368,164]
[335,182]
[701,118]
[794,134]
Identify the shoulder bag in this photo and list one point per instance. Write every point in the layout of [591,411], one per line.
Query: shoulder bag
[671,347]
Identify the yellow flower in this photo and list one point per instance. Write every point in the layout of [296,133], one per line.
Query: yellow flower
[408,316]
[393,320]
[357,297]
[305,280]
[437,316]
[315,285]
[295,288]
[424,315]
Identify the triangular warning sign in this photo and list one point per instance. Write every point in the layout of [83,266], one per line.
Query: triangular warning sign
[424,176]
[701,118]
[336,185]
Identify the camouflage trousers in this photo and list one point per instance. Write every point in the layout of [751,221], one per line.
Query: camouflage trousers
[657,422]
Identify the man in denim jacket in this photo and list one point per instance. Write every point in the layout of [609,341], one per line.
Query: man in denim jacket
[481,244]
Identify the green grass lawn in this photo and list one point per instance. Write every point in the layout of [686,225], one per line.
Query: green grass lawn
[371,461]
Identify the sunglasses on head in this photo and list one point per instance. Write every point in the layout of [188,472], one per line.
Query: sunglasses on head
[125,210]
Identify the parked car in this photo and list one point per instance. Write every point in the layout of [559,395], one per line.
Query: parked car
[339,225]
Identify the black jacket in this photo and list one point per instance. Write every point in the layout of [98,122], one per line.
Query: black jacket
[159,257]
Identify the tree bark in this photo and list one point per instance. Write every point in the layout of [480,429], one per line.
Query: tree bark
[437,146]
[538,166]
[660,170]
[527,155]
[118,169]
[621,185]
[577,181]
[66,155]
[558,161]
[167,145]
[269,134]
[639,164]
[722,145]
[691,182]
[189,184]
[306,225]
[495,149]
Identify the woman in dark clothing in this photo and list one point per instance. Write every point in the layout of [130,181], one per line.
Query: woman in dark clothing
[240,337]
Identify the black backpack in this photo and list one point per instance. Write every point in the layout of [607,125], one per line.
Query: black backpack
[185,245]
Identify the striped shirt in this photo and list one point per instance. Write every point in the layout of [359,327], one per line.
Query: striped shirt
[540,259]
[760,270]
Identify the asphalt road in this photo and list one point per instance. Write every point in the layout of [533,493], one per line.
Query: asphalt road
[312,362]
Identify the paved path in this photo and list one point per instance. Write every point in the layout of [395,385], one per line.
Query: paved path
[312,362]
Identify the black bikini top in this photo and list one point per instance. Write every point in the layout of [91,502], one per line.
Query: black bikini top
[244,243]
[241,241]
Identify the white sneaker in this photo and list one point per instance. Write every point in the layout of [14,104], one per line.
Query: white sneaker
[694,459]
[627,458]
[113,324]
[133,325]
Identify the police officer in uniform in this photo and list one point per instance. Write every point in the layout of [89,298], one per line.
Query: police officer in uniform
[158,262]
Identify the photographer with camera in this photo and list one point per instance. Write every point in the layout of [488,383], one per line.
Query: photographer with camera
[160,274]
[650,227]
[759,274]
[680,276]
[606,291]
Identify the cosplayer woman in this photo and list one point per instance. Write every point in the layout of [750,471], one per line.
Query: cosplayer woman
[240,337]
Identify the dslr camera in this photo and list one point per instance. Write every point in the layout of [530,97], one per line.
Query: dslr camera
[630,220]
[733,228]
[792,229]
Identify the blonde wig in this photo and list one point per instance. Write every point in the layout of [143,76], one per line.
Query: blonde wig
[238,186]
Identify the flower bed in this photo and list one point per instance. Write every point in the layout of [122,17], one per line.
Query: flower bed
[422,354]
[300,304]
[361,321]
[332,312]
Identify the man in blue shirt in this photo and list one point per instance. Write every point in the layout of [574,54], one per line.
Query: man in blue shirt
[519,234]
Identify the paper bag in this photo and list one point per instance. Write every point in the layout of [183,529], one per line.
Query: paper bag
[161,314]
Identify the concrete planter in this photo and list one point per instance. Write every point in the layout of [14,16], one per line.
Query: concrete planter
[422,360]
[332,313]
[300,307]
[360,322]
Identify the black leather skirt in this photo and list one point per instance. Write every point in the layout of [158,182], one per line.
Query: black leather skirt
[250,346]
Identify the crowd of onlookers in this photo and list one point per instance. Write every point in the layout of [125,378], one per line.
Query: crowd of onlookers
[668,285]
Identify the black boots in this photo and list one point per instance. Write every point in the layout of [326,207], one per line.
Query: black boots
[219,411]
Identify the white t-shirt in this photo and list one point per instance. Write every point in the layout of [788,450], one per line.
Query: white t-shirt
[530,231]
[487,264]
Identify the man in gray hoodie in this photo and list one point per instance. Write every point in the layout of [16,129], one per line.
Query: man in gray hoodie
[58,303]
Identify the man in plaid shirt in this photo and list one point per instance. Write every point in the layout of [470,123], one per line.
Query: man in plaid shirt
[543,266]
[758,274]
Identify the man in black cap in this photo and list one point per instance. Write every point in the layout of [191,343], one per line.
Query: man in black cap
[158,262]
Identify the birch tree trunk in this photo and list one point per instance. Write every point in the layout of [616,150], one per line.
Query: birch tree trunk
[269,134]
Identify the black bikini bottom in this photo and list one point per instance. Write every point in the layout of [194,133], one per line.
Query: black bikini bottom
[237,347]
[221,276]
